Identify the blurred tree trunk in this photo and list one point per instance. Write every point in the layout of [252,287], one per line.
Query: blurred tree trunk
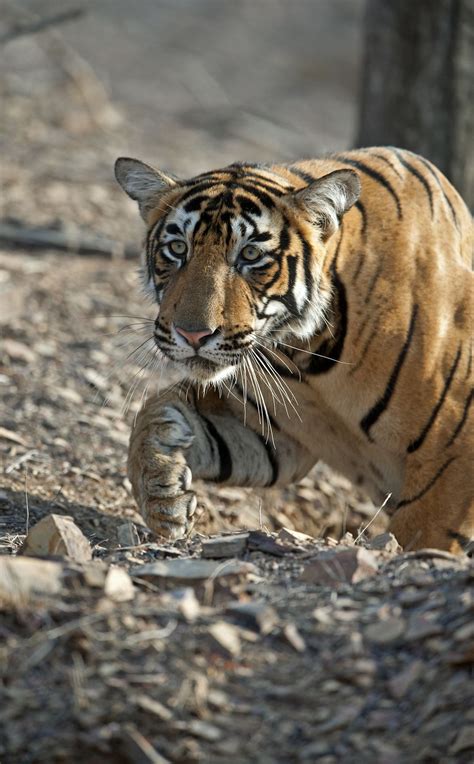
[418,83]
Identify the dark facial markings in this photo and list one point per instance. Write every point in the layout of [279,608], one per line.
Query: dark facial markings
[282,275]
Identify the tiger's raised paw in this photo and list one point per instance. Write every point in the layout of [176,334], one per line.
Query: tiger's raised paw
[160,477]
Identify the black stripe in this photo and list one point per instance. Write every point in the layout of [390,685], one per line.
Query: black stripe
[199,188]
[362,355]
[225,459]
[368,421]
[415,444]
[288,299]
[267,184]
[417,174]
[262,196]
[306,176]
[375,175]
[195,203]
[332,350]
[307,258]
[261,237]
[271,456]
[358,205]
[248,206]
[463,541]
[373,281]
[469,363]
[463,419]
[427,487]
[387,161]
[431,169]
[358,267]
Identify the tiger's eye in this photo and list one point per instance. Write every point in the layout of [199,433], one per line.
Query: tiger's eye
[178,247]
[250,253]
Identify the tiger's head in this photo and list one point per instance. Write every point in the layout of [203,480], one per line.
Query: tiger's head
[235,258]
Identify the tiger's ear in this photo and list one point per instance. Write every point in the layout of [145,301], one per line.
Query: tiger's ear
[328,198]
[142,183]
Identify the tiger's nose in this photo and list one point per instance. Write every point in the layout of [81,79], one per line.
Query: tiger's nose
[195,338]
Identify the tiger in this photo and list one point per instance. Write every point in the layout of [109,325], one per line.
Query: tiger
[317,310]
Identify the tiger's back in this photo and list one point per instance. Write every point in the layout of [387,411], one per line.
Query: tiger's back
[360,316]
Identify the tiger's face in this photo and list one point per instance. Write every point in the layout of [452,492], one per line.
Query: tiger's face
[235,260]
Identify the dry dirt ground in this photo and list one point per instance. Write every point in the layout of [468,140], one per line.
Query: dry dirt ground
[293,657]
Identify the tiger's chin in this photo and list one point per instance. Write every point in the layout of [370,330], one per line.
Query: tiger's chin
[205,371]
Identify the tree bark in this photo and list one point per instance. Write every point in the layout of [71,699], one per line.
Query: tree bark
[418,83]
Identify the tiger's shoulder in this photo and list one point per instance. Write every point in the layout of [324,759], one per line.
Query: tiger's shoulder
[400,191]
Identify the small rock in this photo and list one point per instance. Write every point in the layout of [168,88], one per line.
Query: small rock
[185,601]
[18,351]
[401,682]
[411,596]
[127,534]
[118,585]
[201,729]
[464,740]
[465,632]
[422,626]
[94,574]
[257,615]
[292,635]
[57,535]
[226,637]
[152,706]
[263,542]
[347,539]
[67,394]
[345,566]
[22,579]
[385,542]
[191,571]
[225,546]
[314,751]
[385,631]
[341,718]
[96,380]
[288,536]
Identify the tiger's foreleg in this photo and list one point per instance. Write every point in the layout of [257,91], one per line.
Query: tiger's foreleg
[173,441]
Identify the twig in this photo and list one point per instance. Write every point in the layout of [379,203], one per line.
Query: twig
[387,498]
[27,503]
[74,241]
[33,27]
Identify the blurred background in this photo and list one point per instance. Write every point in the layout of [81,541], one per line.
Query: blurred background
[185,85]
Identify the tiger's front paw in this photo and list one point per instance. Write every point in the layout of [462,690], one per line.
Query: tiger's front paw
[159,474]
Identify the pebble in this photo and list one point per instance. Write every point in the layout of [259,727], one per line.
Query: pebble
[57,535]
[385,542]
[293,637]
[18,351]
[386,631]
[226,637]
[403,680]
[257,615]
[420,626]
[118,585]
[464,740]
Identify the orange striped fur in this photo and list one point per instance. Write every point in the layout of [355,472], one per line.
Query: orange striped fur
[333,298]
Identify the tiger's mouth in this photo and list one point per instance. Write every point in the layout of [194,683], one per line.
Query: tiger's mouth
[200,368]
